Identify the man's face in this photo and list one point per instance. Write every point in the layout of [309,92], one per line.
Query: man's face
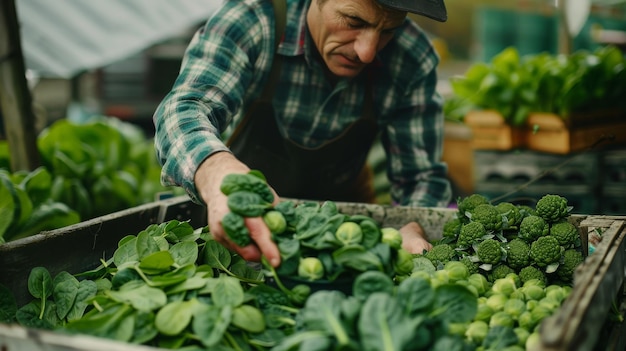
[349,33]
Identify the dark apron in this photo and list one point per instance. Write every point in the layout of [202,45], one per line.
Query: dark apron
[337,170]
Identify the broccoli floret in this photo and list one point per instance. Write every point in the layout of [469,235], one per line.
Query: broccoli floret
[467,204]
[571,259]
[518,254]
[545,251]
[500,272]
[489,251]
[565,232]
[470,234]
[511,213]
[440,253]
[452,228]
[531,272]
[472,266]
[532,228]
[552,208]
[488,215]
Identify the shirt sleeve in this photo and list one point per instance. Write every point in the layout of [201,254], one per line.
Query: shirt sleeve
[413,138]
[226,60]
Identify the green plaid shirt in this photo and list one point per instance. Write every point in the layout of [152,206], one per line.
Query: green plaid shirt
[227,65]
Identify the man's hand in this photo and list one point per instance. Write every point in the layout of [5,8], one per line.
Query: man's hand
[208,179]
[413,238]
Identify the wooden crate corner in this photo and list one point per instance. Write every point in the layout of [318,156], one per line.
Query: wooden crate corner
[490,131]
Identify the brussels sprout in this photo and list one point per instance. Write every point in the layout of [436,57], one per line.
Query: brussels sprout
[391,237]
[526,321]
[403,264]
[484,313]
[533,292]
[300,293]
[522,335]
[514,307]
[440,277]
[477,331]
[556,292]
[457,328]
[539,313]
[504,286]
[518,294]
[550,303]
[275,221]
[496,301]
[533,341]
[422,274]
[502,319]
[456,271]
[311,268]
[480,282]
[349,233]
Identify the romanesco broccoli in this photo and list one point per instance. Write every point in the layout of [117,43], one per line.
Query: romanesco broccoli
[571,259]
[467,204]
[489,251]
[526,210]
[518,253]
[452,228]
[552,208]
[545,251]
[440,253]
[565,232]
[499,272]
[531,272]
[511,213]
[532,228]
[472,266]
[470,234]
[488,215]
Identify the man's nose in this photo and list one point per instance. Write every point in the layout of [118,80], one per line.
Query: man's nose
[366,46]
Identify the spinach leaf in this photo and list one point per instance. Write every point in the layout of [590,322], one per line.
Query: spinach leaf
[210,323]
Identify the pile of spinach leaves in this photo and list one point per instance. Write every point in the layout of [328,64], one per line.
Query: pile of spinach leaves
[88,170]
[175,287]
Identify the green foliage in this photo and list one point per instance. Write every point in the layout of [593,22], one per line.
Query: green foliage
[88,170]
[516,86]
[235,227]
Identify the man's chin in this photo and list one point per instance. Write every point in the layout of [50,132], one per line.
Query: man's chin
[346,71]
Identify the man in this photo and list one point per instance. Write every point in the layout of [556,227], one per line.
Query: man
[345,70]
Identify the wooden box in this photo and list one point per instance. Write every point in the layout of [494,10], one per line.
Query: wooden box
[551,133]
[577,325]
[490,131]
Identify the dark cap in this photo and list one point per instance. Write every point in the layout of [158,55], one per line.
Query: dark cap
[434,9]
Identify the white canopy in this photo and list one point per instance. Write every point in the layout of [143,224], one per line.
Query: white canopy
[61,38]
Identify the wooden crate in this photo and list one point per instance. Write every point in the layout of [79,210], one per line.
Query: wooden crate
[548,132]
[490,131]
[575,326]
